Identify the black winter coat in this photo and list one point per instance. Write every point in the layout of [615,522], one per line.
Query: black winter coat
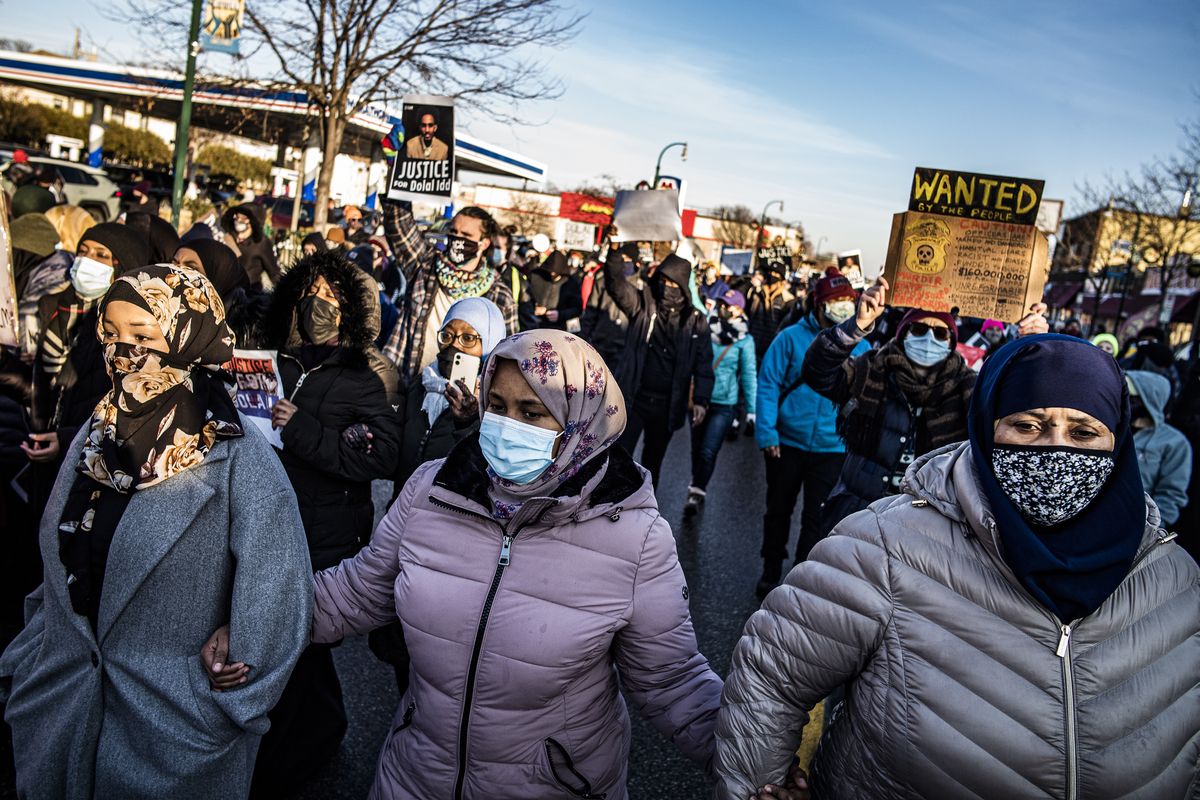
[604,324]
[565,296]
[420,441]
[693,373]
[257,255]
[355,384]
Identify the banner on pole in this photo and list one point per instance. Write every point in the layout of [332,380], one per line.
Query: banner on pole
[221,28]
[423,169]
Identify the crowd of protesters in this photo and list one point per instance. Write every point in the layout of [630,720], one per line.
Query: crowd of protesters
[987,590]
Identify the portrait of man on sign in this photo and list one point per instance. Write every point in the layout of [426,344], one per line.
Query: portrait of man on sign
[426,146]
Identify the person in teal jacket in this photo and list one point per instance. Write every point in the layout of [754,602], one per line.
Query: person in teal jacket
[733,370]
[796,429]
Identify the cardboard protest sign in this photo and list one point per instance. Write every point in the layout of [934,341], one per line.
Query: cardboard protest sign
[9,334]
[259,388]
[775,255]
[966,194]
[965,258]
[576,235]
[424,166]
[647,216]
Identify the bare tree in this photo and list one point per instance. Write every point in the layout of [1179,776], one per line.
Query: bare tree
[346,55]
[528,215]
[1156,210]
[737,226]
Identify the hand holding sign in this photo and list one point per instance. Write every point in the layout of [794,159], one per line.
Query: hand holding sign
[871,304]
[1034,321]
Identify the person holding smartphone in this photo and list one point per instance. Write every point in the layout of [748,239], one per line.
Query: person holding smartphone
[439,411]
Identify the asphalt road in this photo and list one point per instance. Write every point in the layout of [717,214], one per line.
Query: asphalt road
[719,553]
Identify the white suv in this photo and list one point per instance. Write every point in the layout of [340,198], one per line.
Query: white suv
[84,186]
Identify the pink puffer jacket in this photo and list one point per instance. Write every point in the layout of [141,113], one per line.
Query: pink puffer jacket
[514,634]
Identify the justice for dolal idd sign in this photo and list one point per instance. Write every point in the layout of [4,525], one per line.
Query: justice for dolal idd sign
[424,166]
[968,241]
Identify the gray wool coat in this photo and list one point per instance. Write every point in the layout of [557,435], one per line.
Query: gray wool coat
[960,684]
[127,712]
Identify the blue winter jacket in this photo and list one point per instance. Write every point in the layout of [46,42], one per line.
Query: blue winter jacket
[806,421]
[1164,455]
[737,370]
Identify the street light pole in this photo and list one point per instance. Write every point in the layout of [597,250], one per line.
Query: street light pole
[185,114]
[762,225]
[817,252]
[658,164]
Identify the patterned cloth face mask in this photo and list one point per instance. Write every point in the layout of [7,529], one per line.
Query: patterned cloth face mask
[1050,485]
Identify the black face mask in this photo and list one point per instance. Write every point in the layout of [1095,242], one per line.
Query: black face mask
[671,298]
[460,250]
[318,319]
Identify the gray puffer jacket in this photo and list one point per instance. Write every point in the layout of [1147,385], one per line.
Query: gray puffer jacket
[960,684]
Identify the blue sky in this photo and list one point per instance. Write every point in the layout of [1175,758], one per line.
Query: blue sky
[830,106]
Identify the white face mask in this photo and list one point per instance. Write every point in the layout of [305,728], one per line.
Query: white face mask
[839,311]
[90,278]
[241,227]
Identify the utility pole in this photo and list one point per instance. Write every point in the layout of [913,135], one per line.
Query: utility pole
[185,115]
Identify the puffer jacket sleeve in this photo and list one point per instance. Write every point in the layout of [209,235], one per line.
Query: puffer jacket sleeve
[829,363]
[812,634]
[748,374]
[771,382]
[357,595]
[661,667]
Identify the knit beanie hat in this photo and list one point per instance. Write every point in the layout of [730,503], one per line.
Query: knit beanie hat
[34,233]
[30,199]
[833,286]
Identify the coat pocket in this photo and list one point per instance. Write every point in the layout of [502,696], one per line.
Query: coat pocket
[407,720]
[217,724]
[562,767]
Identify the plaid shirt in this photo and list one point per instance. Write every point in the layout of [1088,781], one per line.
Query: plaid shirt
[416,260]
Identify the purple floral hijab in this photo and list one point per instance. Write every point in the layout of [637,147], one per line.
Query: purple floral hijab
[574,383]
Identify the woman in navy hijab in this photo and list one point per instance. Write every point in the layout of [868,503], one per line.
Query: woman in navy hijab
[1016,623]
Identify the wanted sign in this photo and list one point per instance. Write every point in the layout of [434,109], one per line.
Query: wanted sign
[968,241]
[259,388]
[424,166]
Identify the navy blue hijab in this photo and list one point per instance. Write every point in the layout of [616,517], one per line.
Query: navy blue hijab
[1070,568]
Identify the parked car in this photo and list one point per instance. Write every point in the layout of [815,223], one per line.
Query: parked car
[87,187]
[126,177]
[281,211]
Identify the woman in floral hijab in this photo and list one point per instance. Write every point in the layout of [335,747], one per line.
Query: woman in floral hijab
[169,404]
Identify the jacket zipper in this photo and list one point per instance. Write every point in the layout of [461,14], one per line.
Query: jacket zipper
[502,563]
[303,376]
[1063,651]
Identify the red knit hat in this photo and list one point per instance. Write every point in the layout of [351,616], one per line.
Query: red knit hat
[915,314]
[833,286]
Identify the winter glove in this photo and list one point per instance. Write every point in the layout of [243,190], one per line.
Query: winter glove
[358,437]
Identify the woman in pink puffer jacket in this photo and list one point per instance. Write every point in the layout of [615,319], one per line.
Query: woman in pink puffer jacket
[535,579]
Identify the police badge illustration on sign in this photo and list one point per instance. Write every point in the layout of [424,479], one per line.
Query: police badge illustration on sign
[925,247]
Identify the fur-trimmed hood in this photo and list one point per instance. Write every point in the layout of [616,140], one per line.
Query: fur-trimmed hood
[359,302]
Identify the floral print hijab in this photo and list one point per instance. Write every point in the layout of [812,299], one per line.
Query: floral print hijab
[574,383]
[165,410]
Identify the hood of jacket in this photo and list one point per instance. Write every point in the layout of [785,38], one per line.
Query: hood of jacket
[623,486]
[1155,391]
[250,210]
[677,269]
[359,302]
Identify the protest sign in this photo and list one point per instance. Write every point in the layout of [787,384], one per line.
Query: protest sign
[259,388]
[576,236]
[647,216]
[968,242]
[774,255]
[9,335]
[424,166]
[984,197]
[849,264]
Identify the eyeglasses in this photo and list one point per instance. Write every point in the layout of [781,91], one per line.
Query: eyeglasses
[448,337]
[920,329]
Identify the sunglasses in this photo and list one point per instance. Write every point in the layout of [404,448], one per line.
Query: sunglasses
[920,329]
[447,338]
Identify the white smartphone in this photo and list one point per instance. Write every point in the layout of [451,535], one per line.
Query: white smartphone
[464,368]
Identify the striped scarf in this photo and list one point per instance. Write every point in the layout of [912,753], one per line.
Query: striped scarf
[942,395]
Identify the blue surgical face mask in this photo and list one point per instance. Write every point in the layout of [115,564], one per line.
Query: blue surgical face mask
[516,451]
[925,351]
